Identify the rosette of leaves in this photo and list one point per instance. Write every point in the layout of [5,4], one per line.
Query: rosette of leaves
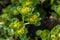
[25,11]
[7,9]
[43,34]
[6,32]
[12,10]
[5,18]
[34,19]
[30,3]
[55,33]
[16,25]
[21,33]
[19,29]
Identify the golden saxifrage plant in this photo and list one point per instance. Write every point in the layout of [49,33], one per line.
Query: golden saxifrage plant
[20,13]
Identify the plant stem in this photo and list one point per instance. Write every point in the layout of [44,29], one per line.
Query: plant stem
[58,17]
[22,18]
[26,23]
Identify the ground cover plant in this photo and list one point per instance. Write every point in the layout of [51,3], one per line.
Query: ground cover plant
[29,19]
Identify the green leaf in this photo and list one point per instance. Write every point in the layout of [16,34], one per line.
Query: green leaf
[38,32]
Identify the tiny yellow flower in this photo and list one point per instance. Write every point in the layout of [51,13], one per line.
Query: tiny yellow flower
[54,37]
[34,19]
[31,20]
[21,32]
[59,35]
[17,25]
[25,10]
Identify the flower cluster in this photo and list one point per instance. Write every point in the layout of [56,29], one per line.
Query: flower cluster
[15,25]
[55,33]
[25,10]
[33,19]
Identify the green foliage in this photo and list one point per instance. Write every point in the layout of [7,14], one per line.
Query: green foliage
[56,8]
[6,32]
[55,33]
[20,13]
[44,34]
